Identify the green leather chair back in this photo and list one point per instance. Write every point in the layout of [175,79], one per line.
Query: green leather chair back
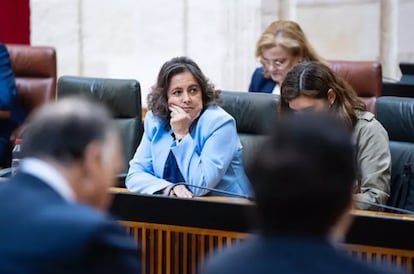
[123,99]
[255,115]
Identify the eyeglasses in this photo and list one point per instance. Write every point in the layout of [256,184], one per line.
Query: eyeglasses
[273,63]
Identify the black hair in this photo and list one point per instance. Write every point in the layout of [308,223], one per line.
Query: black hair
[304,174]
[314,80]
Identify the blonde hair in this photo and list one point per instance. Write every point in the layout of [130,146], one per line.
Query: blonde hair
[290,36]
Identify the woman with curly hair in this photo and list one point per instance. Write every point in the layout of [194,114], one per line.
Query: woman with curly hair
[188,139]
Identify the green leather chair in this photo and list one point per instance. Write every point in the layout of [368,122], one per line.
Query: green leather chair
[123,99]
[396,114]
[255,115]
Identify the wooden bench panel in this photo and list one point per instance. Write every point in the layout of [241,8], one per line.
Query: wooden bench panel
[174,249]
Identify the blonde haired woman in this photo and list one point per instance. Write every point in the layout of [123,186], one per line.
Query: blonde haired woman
[282,45]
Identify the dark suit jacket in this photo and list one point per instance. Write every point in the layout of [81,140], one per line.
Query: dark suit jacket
[299,255]
[259,83]
[43,233]
[7,102]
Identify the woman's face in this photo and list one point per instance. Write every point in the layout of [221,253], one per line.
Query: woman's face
[303,103]
[277,61]
[185,93]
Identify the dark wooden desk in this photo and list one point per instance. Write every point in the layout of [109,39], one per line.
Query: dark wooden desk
[176,234]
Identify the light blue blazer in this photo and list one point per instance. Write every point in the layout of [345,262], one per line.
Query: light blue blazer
[210,156]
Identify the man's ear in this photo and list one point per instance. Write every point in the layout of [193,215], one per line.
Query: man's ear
[93,157]
[331,96]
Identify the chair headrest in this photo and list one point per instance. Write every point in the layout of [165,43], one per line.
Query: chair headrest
[122,97]
[364,76]
[32,61]
[396,114]
[34,68]
[255,113]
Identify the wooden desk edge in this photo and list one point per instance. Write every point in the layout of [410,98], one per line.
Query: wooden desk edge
[355,212]
[203,198]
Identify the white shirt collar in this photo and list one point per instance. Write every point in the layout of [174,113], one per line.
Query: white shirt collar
[49,175]
[276,89]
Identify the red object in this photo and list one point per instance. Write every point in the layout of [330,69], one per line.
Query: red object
[15,21]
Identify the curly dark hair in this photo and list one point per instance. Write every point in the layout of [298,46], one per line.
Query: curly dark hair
[158,97]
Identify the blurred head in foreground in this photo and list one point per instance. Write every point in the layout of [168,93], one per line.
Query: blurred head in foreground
[304,176]
[77,137]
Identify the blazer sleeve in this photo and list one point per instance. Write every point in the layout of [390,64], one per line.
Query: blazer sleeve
[141,177]
[255,80]
[259,83]
[204,161]
[374,163]
[7,86]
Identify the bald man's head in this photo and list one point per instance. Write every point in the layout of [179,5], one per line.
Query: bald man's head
[61,131]
[79,138]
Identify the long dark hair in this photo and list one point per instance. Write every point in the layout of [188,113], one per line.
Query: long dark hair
[314,79]
[303,175]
